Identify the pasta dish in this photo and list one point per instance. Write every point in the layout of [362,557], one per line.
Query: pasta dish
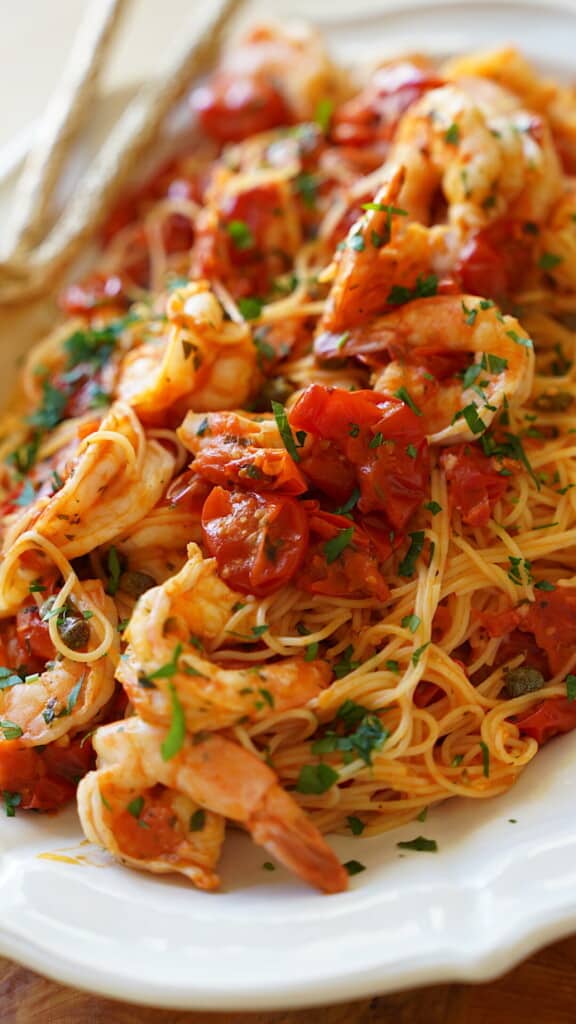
[288,494]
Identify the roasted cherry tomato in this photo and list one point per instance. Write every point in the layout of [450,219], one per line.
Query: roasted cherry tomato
[227,462]
[372,115]
[548,719]
[552,620]
[475,482]
[258,540]
[45,778]
[380,437]
[33,635]
[232,107]
[349,571]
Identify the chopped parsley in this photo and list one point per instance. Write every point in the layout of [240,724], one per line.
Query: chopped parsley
[452,135]
[544,585]
[268,866]
[311,651]
[10,730]
[51,409]
[392,665]
[571,687]
[433,507]
[345,665]
[177,732]
[250,307]
[11,802]
[306,186]
[323,113]
[549,260]
[493,364]
[525,342]
[240,234]
[114,567]
[170,668]
[420,843]
[356,242]
[354,867]
[407,566]
[355,825]
[473,420]
[316,778]
[485,759]
[197,820]
[334,547]
[419,652]
[136,806]
[410,622]
[349,504]
[424,288]
[405,397]
[285,431]
[369,735]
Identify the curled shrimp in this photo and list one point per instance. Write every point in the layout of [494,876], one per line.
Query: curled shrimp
[221,777]
[487,157]
[450,326]
[162,663]
[149,826]
[69,692]
[205,360]
[116,477]
[510,69]
[241,447]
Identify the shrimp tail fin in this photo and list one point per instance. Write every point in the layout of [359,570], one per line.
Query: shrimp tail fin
[287,832]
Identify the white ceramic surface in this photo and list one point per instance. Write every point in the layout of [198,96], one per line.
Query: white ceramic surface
[493,892]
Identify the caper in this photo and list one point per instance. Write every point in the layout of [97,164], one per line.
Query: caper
[523,680]
[136,583]
[75,632]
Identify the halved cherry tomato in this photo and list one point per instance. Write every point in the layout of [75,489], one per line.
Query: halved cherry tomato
[33,635]
[548,719]
[552,620]
[482,270]
[500,623]
[187,492]
[374,113]
[45,777]
[353,573]
[377,435]
[475,482]
[232,107]
[258,540]
[227,462]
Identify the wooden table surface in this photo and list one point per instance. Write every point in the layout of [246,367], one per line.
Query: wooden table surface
[540,991]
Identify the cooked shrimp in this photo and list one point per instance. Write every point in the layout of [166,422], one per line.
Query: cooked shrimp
[221,777]
[156,546]
[487,157]
[510,69]
[452,325]
[144,824]
[206,361]
[161,663]
[116,477]
[69,692]
[241,447]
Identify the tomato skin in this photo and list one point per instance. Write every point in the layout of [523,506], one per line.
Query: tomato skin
[258,540]
[552,620]
[187,492]
[372,116]
[475,485]
[227,463]
[231,107]
[548,719]
[372,432]
[33,635]
[482,270]
[355,573]
[45,777]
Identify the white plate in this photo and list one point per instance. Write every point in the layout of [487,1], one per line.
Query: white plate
[493,892]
